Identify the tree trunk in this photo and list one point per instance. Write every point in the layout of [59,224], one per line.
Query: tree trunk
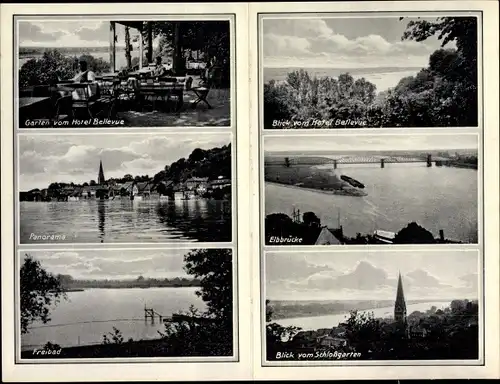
[178,62]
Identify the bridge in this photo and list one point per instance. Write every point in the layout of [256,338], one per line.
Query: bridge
[370,159]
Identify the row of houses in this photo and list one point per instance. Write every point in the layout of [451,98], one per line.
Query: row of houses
[192,188]
[321,338]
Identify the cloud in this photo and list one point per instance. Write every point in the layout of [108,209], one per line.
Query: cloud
[91,34]
[291,267]
[421,278]
[44,160]
[113,264]
[33,32]
[470,280]
[312,42]
[365,276]
[64,33]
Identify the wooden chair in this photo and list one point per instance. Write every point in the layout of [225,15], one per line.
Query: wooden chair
[201,92]
[83,104]
[170,84]
[64,108]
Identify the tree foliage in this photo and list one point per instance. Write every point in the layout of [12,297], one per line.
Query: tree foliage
[39,292]
[54,66]
[209,332]
[210,37]
[414,234]
[210,163]
[214,269]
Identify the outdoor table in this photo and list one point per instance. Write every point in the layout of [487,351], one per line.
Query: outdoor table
[163,89]
[30,101]
[33,108]
[141,73]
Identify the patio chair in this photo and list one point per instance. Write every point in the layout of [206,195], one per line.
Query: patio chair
[200,91]
[83,103]
[146,91]
[109,93]
[64,108]
[170,83]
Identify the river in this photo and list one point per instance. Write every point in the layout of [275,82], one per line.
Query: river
[435,197]
[329,321]
[83,318]
[125,221]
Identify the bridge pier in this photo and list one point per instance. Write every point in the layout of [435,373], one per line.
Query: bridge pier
[382,163]
[334,164]
[429,160]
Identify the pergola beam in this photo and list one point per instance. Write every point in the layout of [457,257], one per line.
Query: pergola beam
[112,46]
[139,26]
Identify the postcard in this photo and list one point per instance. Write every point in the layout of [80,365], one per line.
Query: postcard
[247,191]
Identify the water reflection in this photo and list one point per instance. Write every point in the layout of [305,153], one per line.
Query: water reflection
[203,219]
[123,220]
[101,208]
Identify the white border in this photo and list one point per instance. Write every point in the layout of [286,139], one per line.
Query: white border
[193,371]
[489,131]
[361,362]
[137,134]
[194,16]
[131,360]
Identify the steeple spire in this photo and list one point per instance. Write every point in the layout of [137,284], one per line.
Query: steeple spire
[400,305]
[101,179]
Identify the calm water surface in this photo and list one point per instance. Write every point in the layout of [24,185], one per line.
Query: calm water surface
[86,316]
[435,197]
[119,221]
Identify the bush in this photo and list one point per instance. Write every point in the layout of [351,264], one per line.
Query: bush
[54,66]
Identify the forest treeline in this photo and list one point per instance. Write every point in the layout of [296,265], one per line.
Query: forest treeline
[69,283]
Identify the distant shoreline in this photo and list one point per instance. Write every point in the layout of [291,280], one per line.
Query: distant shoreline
[331,311]
[69,290]
[337,192]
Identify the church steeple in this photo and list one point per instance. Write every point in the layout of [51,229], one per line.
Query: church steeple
[101,179]
[400,305]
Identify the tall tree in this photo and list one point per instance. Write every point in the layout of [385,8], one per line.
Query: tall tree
[209,332]
[39,291]
[214,269]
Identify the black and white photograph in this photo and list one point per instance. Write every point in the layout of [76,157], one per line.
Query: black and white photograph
[126,303]
[368,305]
[370,189]
[333,71]
[127,188]
[96,72]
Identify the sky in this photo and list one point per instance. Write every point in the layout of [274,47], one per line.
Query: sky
[343,43]
[365,275]
[114,264]
[70,33]
[44,159]
[370,142]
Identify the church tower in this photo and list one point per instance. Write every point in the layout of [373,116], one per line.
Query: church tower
[101,180]
[400,305]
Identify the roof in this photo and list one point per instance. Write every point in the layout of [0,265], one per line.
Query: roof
[132,24]
[326,237]
[384,234]
[197,179]
[220,181]
[127,185]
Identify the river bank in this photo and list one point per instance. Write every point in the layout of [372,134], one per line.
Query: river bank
[327,321]
[340,192]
